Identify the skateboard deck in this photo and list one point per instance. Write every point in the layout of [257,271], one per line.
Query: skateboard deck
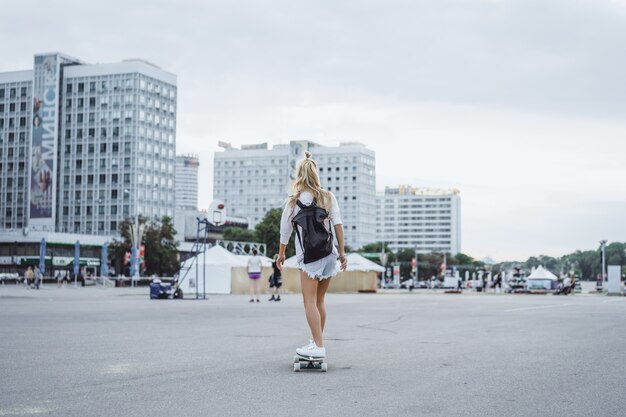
[307,363]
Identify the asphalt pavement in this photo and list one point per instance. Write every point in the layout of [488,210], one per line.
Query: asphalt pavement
[113,352]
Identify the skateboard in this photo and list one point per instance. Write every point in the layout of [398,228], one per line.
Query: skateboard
[301,363]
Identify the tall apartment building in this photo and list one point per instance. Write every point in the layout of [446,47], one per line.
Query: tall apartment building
[255,179]
[425,219]
[187,182]
[15,122]
[83,146]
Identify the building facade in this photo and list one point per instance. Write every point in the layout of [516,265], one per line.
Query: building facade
[83,146]
[255,179]
[187,182]
[15,122]
[422,219]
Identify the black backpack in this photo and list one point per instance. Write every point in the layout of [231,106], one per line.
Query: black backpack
[316,241]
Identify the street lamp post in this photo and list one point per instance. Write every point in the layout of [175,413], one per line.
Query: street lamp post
[602,274]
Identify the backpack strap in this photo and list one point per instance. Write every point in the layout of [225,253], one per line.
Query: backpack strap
[299,238]
[302,206]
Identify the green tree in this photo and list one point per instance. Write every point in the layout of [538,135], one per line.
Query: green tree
[119,247]
[268,232]
[405,257]
[159,240]
[161,248]
[463,260]
[240,235]
[377,247]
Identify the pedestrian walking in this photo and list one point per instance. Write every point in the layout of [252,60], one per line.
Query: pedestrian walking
[313,212]
[38,277]
[28,277]
[254,273]
[276,280]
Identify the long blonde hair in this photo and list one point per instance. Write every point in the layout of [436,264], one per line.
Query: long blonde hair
[307,179]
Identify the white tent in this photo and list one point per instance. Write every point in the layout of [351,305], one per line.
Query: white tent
[541,279]
[214,268]
[265,261]
[358,263]
[361,275]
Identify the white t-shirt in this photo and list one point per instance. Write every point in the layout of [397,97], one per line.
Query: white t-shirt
[286,228]
[254,264]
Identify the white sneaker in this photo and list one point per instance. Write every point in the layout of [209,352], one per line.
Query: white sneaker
[311,351]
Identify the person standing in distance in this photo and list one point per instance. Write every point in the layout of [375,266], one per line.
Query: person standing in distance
[276,280]
[254,273]
[314,276]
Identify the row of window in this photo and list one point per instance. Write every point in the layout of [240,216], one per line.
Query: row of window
[13,122]
[89,210]
[102,179]
[12,107]
[406,206]
[102,194]
[415,199]
[88,227]
[19,212]
[9,197]
[115,84]
[248,162]
[13,91]
[21,152]
[11,137]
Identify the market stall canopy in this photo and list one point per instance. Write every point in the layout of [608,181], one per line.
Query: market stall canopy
[217,255]
[355,263]
[542,273]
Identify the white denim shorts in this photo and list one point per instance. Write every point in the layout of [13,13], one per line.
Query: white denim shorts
[322,268]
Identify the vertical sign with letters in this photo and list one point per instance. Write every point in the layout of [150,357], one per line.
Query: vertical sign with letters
[44,138]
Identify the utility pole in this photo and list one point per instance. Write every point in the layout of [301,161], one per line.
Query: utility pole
[602,274]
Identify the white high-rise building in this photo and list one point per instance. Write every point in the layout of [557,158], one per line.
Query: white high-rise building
[84,146]
[187,182]
[425,219]
[255,179]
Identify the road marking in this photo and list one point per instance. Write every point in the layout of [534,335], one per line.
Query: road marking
[122,368]
[612,301]
[26,411]
[540,307]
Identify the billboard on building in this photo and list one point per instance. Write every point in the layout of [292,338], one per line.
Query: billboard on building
[192,162]
[44,131]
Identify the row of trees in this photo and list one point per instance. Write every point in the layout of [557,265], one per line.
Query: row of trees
[429,264]
[585,264]
[161,248]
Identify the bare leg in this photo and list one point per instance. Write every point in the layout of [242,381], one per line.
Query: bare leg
[251,288]
[257,287]
[309,296]
[321,307]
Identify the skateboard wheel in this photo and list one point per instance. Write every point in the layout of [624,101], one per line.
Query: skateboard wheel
[324,367]
[296,367]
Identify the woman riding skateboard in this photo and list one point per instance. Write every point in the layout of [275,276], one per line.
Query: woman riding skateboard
[315,214]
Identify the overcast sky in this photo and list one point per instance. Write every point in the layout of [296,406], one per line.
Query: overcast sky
[519,104]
